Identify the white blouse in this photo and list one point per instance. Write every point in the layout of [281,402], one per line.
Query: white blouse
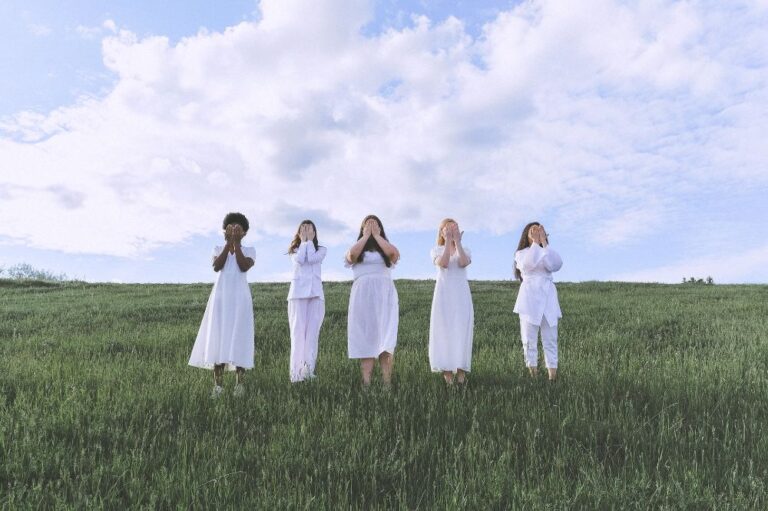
[537,297]
[307,280]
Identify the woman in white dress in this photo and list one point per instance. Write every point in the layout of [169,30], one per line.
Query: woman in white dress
[373,304]
[306,302]
[537,302]
[452,319]
[225,339]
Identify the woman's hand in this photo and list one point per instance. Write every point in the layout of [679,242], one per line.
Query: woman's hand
[456,234]
[375,229]
[228,234]
[303,232]
[367,229]
[543,238]
[237,234]
[533,234]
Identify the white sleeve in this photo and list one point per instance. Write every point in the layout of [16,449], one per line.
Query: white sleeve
[217,251]
[315,255]
[436,253]
[527,259]
[552,261]
[300,256]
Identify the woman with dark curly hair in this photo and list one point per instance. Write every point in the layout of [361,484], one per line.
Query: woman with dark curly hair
[373,303]
[226,336]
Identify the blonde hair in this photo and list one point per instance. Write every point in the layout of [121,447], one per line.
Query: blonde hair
[440,238]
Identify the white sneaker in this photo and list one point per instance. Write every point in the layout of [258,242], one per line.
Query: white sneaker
[216,392]
[239,390]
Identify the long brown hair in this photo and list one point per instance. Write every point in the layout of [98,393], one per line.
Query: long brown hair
[371,245]
[524,243]
[297,239]
[440,238]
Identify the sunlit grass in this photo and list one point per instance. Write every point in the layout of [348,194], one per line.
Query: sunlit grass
[661,404]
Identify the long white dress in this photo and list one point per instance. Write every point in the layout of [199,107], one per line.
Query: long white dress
[452,320]
[226,332]
[373,309]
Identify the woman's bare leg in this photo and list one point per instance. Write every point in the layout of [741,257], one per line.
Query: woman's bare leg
[386,362]
[366,369]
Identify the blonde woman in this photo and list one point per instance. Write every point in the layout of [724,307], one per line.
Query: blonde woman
[452,320]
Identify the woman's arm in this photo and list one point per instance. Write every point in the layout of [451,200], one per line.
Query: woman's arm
[221,259]
[444,258]
[300,256]
[464,259]
[243,262]
[388,248]
[315,256]
[355,250]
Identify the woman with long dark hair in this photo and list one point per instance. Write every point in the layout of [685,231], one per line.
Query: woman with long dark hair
[537,302]
[306,301]
[373,302]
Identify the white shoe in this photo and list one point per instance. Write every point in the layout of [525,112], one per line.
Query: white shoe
[239,390]
[216,392]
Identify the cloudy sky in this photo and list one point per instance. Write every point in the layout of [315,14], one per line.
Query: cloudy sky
[634,130]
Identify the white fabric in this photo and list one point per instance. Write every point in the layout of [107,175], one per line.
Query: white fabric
[452,319]
[305,317]
[537,297]
[226,332]
[529,334]
[307,281]
[373,309]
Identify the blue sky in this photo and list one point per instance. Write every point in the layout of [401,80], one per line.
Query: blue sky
[632,131]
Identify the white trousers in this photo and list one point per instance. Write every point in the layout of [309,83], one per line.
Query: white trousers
[305,317]
[530,335]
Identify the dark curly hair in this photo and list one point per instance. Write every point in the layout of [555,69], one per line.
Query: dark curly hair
[235,218]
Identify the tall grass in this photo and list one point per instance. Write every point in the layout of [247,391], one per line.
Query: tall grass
[661,403]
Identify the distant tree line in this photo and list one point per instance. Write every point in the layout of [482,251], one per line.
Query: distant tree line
[24,271]
[693,280]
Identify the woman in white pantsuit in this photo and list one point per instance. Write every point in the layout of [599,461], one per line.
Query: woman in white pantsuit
[306,302]
[537,302]
[373,304]
[452,319]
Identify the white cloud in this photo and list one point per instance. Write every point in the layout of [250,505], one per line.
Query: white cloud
[39,29]
[600,111]
[735,264]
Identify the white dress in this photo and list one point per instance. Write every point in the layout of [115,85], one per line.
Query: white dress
[373,309]
[452,320]
[226,333]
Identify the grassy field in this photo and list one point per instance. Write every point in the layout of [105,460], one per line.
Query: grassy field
[661,403]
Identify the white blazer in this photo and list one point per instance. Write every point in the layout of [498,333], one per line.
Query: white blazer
[537,297]
[307,281]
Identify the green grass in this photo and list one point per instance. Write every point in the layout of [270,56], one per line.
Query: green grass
[661,404]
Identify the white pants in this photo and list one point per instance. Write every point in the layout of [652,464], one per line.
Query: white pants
[305,317]
[530,336]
